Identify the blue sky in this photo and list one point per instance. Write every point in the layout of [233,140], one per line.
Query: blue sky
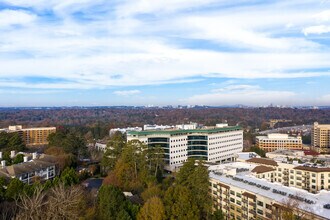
[164,52]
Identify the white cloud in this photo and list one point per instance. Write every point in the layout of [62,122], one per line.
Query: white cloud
[13,17]
[93,53]
[252,97]
[323,16]
[319,29]
[231,88]
[127,92]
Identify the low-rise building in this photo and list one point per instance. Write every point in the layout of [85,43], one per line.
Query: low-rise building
[41,167]
[273,142]
[101,146]
[243,156]
[240,195]
[212,144]
[156,127]
[123,130]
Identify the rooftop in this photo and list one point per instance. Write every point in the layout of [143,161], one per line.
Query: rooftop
[264,161]
[275,191]
[43,161]
[181,131]
[262,169]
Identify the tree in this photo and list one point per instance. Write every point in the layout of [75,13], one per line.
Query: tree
[69,141]
[198,184]
[218,215]
[63,159]
[179,204]
[110,202]
[65,202]
[114,149]
[123,215]
[196,179]
[3,185]
[14,189]
[150,192]
[16,142]
[4,140]
[153,209]
[130,172]
[18,159]
[69,177]
[186,170]
[32,206]
[258,150]
[294,209]
[156,161]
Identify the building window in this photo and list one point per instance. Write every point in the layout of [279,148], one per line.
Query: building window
[260,203]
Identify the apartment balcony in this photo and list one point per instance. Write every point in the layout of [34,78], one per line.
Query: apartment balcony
[244,208]
[306,188]
[269,215]
[252,203]
[244,200]
[252,212]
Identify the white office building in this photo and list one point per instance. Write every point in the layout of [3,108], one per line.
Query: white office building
[212,144]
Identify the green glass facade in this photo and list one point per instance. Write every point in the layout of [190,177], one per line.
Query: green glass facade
[163,143]
[197,146]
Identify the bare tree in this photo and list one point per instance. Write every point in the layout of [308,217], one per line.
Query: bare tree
[296,209]
[32,207]
[57,203]
[64,203]
[7,210]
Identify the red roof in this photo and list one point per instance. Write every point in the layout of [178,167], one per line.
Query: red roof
[310,152]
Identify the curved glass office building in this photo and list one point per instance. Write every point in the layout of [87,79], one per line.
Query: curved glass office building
[212,144]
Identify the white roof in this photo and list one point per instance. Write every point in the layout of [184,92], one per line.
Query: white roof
[319,199]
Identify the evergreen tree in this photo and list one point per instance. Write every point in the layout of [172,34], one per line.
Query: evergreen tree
[15,142]
[114,149]
[69,177]
[153,209]
[14,189]
[179,204]
[111,201]
[18,159]
[3,185]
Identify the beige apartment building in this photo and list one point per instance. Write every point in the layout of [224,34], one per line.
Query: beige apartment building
[320,136]
[242,196]
[273,142]
[303,176]
[33,136]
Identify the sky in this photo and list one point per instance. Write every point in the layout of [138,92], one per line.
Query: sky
[164,52]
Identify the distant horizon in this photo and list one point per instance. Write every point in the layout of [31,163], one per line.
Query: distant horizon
[212,52]
[167,106]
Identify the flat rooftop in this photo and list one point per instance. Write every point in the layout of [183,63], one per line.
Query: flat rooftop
[174,131]
[245,180]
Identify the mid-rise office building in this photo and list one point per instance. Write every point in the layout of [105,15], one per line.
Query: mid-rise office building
[273,142]
[320,136]
[32,136]
[212,144]
[240,195]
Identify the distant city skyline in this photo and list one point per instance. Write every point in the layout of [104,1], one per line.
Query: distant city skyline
[173,52]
